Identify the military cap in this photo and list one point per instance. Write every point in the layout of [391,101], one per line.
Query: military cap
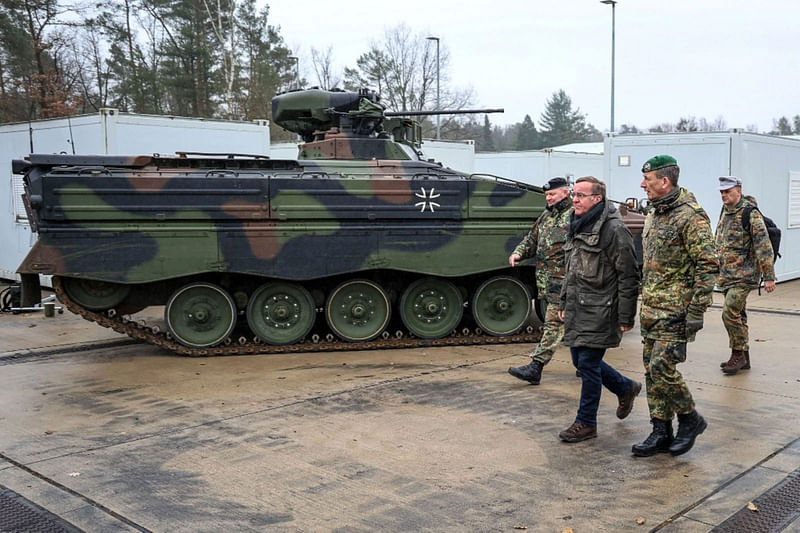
[555,183]
[729,182]
[659,161]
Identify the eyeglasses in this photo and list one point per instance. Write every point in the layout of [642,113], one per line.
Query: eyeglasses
[581,196]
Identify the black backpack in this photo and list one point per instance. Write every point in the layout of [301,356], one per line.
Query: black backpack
[772,229]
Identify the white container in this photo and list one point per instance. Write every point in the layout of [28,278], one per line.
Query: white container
[108,132]
[768,166]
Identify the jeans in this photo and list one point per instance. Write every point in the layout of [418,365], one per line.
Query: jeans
[595,374]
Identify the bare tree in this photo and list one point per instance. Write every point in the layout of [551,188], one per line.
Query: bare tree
[223,23]
[327,77]
[403,69]
[93,71]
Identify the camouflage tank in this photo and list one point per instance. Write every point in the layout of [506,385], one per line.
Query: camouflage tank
[358,240]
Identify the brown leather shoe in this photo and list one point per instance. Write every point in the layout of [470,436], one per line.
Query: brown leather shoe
[626,400]
[578,432]
[737,362]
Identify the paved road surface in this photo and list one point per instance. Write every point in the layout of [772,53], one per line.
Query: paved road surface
[114,436]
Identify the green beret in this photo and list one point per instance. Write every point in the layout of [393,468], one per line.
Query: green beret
[659,161]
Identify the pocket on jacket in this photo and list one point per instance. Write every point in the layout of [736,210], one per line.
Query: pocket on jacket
[595,311]
[590,264]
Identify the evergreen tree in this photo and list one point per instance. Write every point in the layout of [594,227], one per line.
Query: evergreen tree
[796,121]
[188,58]
[372,70]
[266,66]
[628,129]
[560,124]
[485,141]
[782,127]
[135,85]
[527,136]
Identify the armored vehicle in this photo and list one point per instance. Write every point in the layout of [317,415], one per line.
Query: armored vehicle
[358,240]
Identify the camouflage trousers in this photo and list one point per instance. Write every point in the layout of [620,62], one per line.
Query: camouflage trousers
[667,393]
[552,335]
[734,316]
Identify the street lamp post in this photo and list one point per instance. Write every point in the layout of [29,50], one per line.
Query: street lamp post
[438,102]
[613,4]
[296,71]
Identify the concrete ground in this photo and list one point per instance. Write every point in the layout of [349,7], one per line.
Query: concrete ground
[114,436]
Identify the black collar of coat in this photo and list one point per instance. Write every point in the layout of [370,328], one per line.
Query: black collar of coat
[560,206]
[668,201]
[586,223]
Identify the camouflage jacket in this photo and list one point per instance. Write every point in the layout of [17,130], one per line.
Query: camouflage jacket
[744,258]
[680,265]
[545,242]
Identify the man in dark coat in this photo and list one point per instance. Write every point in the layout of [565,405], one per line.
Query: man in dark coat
[598,302]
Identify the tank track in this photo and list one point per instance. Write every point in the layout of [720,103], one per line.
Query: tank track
[139,330]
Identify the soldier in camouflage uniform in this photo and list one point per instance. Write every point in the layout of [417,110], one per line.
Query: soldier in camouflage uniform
[745,258]
[679,271]
[545,243]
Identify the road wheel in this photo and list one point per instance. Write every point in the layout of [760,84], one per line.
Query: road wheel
[501,305]
[431,308]
[281,313]
[358,310]
[200,315]
[95,295]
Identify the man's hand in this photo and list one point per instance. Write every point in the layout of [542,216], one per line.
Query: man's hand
[561,315]
[694,323]
[769,285]
[513,259]
[623,329]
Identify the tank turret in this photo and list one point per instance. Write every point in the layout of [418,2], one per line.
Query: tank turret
[352,125]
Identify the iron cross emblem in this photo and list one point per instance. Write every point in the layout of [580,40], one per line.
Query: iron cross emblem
[427,199]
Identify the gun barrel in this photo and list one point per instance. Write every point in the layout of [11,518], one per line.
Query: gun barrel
[441,112]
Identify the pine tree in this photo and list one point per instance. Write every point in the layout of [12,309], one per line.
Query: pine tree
[486,142]
[266,66]
[782,127]
[527,136]
[560,124]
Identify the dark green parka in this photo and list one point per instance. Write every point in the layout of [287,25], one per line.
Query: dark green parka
[602,282]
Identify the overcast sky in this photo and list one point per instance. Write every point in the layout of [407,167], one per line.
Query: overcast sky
[739,59]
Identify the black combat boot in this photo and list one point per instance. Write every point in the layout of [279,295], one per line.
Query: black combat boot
[531,372]
[689,427]
[659,440]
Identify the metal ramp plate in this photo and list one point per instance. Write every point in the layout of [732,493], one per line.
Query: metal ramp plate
[18,514]
[777,508]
